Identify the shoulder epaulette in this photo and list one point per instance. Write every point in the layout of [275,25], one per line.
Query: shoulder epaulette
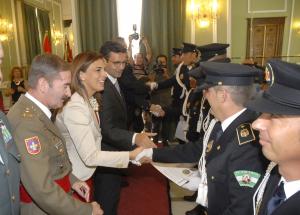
[245,133]
[28,113]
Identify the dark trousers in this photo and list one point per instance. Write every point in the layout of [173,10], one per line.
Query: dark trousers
[107,185]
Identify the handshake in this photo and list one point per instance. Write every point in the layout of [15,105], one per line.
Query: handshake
[145,156]
[157,111]
[152,85]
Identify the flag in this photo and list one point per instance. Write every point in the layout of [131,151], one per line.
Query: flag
[47,43]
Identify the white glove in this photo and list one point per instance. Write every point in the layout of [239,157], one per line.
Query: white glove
[136,162]
[145,153]
[193,183]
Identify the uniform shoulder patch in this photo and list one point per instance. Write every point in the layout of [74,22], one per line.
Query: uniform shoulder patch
[246,178]
[245,133]
[33,145]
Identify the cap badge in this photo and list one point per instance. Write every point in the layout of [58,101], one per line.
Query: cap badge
[269,74]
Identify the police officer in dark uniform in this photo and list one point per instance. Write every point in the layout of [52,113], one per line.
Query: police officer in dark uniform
[198,107]
[176,57]
[278,128]
[233,160]
[180,80]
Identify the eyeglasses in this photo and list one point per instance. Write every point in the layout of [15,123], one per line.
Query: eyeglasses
[118,63]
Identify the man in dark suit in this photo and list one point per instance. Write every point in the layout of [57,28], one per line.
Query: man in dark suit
[9,164]
[113,120]
[234,163]
[136,94]
[279,135]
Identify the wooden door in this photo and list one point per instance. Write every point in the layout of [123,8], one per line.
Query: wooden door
[264,38]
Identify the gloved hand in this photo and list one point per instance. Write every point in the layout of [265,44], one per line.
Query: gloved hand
[145,153]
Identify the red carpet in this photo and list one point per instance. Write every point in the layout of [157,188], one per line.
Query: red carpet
[147,193]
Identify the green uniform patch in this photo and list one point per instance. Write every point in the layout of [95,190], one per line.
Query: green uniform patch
[245,133]
[246,178]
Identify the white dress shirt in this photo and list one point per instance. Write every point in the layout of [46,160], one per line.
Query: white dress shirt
[39,104]
[290,187]
[230,119]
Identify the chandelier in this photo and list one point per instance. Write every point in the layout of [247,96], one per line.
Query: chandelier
[6,29]
[204,12]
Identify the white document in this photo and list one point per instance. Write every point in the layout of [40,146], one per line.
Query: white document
[178,173]
[180,132]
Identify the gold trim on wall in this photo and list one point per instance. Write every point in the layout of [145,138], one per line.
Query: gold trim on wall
[267,11]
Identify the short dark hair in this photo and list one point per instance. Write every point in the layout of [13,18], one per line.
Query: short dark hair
[46,66]
[161,56]
[111,46]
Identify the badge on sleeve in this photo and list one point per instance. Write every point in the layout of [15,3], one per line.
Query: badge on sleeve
[246,178]
[33,145]
[5,132]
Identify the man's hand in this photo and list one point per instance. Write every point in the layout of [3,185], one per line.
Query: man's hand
[157,111]
[152,85]
[82,189]
[142,139]
[130,38]
[144,39]
[96,209]
[135,152]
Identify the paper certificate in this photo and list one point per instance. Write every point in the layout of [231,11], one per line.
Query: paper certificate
[175,172]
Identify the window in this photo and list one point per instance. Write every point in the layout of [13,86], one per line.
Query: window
[126,19]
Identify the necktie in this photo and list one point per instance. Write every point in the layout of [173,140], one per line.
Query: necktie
[217,131]
[277,198]
[118,87]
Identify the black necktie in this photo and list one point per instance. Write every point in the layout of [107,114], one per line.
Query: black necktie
[277,198]
[217,131]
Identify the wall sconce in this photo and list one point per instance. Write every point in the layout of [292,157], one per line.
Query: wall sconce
[297,27]
[6,29]
[204,12]
[57,35]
